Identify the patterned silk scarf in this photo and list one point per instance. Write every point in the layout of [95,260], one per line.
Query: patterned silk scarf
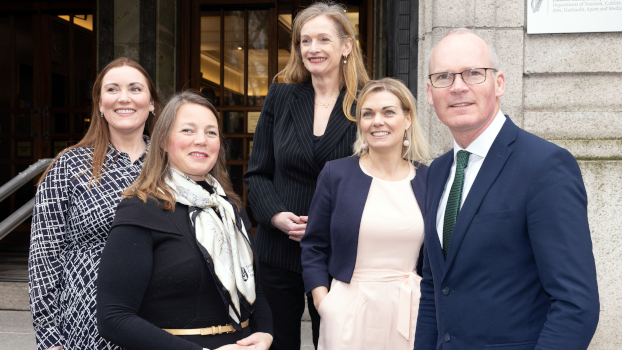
[224,242]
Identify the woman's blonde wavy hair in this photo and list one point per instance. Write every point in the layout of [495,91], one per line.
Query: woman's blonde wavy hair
[419,148]
[353,73]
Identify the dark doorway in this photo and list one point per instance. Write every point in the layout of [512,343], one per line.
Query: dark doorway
[47,61]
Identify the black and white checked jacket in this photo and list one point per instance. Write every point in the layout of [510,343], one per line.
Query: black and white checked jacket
[70,225]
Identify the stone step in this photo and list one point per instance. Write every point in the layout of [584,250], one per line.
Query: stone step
[14,296]
[14,281]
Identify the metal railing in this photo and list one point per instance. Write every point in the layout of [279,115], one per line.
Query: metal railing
[23,213]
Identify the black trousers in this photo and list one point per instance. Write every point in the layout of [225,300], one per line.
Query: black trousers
[285,292]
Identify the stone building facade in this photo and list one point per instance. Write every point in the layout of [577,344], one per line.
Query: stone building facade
[565,88]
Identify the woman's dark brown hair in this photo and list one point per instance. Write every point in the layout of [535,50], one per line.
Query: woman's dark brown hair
[152,180]
[98,135]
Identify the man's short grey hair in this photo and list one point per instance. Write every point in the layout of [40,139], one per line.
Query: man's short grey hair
[494,61]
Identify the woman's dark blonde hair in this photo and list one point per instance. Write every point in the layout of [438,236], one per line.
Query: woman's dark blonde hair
[98,135]
[419,148]
[353,73]
[152,180]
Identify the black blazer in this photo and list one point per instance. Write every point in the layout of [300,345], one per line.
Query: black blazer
[283,168]
[152,275]
[329,246]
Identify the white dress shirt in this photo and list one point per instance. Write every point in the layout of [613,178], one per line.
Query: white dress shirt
[479,149]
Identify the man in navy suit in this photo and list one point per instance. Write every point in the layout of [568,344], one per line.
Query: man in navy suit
[508,261]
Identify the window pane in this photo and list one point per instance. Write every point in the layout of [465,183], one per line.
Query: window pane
[210,55]
[81,122]
[5,123]
[234,58]
[23,123]
[235,148]
[258,24]
[60,67]
[284,35]
[83,74]
[5,150]
[24,62]
[234,122]
[235,173]
[60,123]
[84,21]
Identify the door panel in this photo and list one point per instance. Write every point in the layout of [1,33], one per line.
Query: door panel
[48,66]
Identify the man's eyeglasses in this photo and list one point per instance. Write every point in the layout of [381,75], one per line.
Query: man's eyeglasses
[470,76]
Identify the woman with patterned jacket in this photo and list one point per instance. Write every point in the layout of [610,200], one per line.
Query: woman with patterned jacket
[75,206]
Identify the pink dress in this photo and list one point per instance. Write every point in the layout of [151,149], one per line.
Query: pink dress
[378,308]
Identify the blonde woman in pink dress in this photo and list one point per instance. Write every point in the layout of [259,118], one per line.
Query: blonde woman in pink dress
[365,228]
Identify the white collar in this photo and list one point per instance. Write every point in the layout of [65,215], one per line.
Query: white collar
[481,145]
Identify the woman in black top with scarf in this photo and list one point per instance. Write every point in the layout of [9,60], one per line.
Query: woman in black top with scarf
[178,271]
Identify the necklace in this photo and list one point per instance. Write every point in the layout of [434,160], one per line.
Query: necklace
[320,103]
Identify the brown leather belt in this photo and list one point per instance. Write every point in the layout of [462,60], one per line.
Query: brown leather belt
[206,331]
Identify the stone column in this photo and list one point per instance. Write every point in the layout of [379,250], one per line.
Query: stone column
[150,41]
[566,88]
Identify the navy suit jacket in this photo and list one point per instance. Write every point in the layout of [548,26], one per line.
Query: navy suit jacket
[520,273]
[335,220]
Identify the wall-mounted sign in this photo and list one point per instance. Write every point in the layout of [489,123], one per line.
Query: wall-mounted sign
[573,16]
[253,119]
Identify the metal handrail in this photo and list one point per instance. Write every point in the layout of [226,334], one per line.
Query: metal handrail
[18,181]
[20,215]
[23,213]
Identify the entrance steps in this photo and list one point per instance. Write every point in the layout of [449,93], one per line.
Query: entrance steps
[14,281]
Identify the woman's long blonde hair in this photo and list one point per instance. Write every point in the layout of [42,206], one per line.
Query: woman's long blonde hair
[98,135]
[419,148]
[152,180]
[353,73]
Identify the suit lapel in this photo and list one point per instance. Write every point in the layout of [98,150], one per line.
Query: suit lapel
[301,108]
[436,184]
[493,164]
[336,127]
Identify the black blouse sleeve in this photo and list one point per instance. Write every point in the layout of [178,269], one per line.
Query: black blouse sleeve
[261,320]
[124,275]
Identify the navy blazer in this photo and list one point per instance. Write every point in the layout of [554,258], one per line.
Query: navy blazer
[284,166]
[335,221]
[520,273]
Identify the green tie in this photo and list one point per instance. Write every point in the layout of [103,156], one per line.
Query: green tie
[453,202]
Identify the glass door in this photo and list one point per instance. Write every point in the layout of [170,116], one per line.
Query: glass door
[235,74]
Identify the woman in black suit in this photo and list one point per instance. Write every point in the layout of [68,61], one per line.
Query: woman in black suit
[304,123]
[179,271]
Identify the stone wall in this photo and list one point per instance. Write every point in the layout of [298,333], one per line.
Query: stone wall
[566,88]
[127,39]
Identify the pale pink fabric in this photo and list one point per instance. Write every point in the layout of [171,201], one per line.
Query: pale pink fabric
[378,308]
